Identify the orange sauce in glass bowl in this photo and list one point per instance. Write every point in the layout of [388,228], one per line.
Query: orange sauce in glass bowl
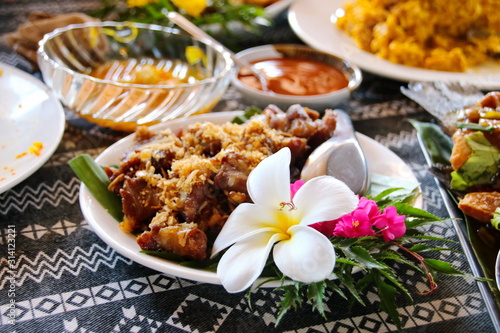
[146,71]
[298,77]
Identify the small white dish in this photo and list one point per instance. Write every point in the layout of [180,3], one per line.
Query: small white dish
[318,102]
[29,113]
[380,160]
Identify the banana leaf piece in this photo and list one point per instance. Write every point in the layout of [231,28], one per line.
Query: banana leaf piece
[480,253]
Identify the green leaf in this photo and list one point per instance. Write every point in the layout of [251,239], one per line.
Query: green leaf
[393,279]
[405,209]
[391,190]
[209,264]
[442,267]
[366,281]
[362,256]
[433,238]
[316,294]
[495,221]
[349,262]
[392,255]
[348,281]
[335,288]
[387,294]
[251,111]
[271,279]
[475,127]
[384,194]
[412,223]
[410,199]
[97,181]
[419,248]
[291,299]
[437,143]
[344,242]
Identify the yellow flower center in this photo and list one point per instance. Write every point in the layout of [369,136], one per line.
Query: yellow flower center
[285,218]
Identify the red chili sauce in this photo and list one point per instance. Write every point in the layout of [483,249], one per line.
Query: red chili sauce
[300,77]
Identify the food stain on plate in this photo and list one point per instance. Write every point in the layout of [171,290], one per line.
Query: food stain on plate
[35,149]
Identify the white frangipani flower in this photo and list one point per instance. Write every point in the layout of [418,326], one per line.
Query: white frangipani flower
[275,221]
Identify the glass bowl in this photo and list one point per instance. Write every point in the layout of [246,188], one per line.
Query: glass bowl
[321,101]
[121,75]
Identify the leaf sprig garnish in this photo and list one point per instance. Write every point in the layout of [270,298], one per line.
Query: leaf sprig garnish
[217,12]
[368,261]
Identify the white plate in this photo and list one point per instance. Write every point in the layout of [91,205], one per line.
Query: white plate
[497,270]
[29,113]
[107,228]
[311,20]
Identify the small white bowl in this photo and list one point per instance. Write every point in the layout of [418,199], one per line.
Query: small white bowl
[319,102]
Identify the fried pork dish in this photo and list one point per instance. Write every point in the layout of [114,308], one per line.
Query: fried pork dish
[433,34]
[475,158]
[178,188]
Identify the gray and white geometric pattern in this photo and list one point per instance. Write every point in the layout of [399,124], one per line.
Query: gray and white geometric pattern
[68,280]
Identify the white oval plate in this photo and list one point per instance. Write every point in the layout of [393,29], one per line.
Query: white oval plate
[29,112]
[380,160]
[497,270]
[311,20]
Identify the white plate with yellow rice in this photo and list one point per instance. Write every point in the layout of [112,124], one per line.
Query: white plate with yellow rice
[312,21]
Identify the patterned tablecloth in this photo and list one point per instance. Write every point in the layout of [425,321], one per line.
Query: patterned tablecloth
[68,280]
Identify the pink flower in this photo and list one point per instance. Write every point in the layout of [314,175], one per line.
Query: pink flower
[355,224]
[295,186]
[327,228]
[358,223]
[391,224]
[365,220]
[370,207]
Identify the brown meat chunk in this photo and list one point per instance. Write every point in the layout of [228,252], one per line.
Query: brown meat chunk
[117,176]
[298,147]
[491,100]
[200,197]
[480,205]
[140,203]
[185,241]
[233,173]
[162,161]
